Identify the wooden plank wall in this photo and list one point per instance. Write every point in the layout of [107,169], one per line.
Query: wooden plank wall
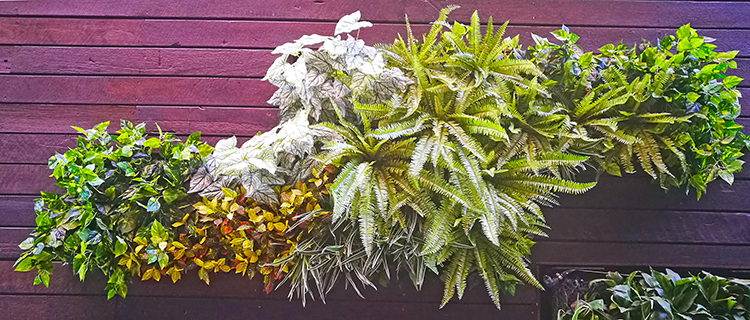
[195,65]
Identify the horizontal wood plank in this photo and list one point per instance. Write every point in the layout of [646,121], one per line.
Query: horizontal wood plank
[198,91]
[269,34]
[17,307]
[602,13]
[159,62]
[166,308]
[17,211]
[30,118]
[636,193]
[209,121]
[135,61]
[26,118]
[135,90]
[647,226]
[581,254]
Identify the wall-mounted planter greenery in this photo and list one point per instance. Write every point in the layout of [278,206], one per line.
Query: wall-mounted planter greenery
[426,155]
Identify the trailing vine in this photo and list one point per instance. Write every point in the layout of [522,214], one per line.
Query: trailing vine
[432,155]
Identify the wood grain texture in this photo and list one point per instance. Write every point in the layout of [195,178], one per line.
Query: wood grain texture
[22,307]
[647,226]
[195,91]
[40,118]
[169,308]
[135,90]
[210,121]
[17,211]
[25,118]
[643,194]
[135,61]
[604,13]
[160,62]
[612,255]
[269,34]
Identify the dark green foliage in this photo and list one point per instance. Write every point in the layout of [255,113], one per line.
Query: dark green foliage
[114,185]
[669,105]
[656,295]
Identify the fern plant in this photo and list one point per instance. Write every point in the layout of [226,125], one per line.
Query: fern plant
[441,150]
[649,104]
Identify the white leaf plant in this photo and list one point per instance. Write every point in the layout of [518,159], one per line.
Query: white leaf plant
[307,89]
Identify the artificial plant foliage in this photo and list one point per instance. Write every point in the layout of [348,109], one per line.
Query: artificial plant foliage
[114,186]
[668,106]
[427,155]
[661,295]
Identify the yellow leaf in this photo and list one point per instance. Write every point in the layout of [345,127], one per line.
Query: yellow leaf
[267,215]
[225,268]
[178,244]
[234,207]
[147,275]
[279,226]
[209,265]
[199,262]
[221,261]
[157,275]
[247,244]
[253,259]
[178,254]
[177,224]
[203,275]
[241,268]
[175,274]
[138,248]
[270,226]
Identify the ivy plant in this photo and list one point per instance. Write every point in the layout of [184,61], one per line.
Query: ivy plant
[669,105]
[657,295]
[113,186]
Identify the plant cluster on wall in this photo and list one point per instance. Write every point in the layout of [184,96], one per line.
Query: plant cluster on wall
[432,155]
[657,295]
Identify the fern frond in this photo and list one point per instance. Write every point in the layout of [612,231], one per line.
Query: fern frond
[439,226]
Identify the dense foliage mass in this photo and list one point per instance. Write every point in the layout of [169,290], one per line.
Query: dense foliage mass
[432,155]
[657,295]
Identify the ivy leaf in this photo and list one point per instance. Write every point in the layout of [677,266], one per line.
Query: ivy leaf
[685,32]
[171,195]
[692,96]
[158,233]
[153,204]
[152,143]
[349,23]
[120,247]
[27,264]
[163,259]
[27,244]
[732,81]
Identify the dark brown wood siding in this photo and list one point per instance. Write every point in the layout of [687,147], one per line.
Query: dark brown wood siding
[195,65]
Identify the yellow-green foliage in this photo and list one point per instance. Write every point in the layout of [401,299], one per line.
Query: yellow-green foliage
[231,233]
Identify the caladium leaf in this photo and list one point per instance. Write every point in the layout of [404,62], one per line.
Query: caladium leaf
[349,23]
